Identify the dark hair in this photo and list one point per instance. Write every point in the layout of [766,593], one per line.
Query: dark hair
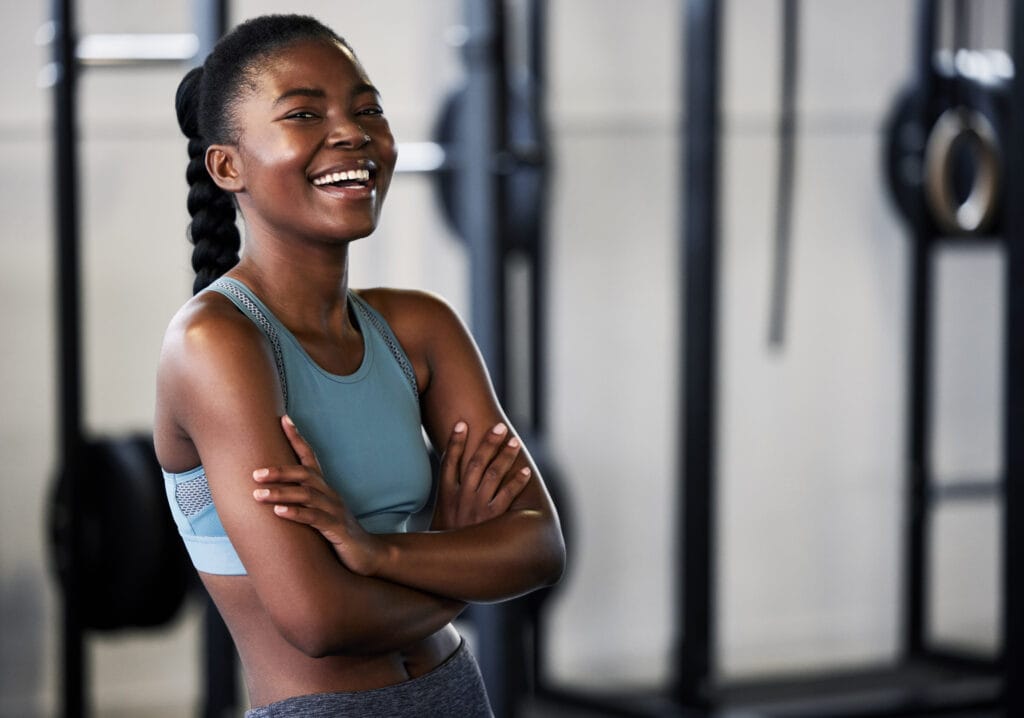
[206,103]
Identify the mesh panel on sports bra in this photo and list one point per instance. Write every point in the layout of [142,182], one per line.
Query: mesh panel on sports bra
[193,495]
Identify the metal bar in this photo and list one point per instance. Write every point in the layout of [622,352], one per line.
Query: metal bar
[917,514]
[786,163]
[1013,517]
[422,158]
[918,370]
[700,235]
[65,155]
[479,134]
[119,50]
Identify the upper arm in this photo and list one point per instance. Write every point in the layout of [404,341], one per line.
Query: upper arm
[219,383]
[455,384]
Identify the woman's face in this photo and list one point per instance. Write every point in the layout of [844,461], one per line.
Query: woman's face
[315,151]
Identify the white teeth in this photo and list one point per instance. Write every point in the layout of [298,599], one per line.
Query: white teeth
[347,176]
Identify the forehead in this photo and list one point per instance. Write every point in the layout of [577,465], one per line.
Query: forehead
[312,63]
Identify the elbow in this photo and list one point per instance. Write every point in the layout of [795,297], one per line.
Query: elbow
[315,637]
[309,638]
[549,561]
[553,568]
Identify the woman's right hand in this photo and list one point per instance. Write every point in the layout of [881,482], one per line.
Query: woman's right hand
[485,487]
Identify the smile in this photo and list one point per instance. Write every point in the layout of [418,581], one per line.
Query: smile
[348,178]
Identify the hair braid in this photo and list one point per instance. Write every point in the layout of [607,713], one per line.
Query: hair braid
[212,229]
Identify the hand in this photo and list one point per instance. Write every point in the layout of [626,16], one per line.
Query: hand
[485,488]
[299,493]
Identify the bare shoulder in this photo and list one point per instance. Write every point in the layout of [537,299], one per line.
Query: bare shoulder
[416,317]
[210,349]
[208,329]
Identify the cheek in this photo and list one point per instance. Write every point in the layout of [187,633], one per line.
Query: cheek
[272,153]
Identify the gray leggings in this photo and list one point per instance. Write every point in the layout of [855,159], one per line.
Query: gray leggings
[452,690]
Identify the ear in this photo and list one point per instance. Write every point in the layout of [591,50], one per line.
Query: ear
[224,166]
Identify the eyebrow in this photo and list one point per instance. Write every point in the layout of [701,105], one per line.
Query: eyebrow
[317,93]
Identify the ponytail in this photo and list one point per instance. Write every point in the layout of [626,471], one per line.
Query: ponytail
[212,229]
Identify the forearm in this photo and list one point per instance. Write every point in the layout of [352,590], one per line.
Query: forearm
[378,616]
[513,554]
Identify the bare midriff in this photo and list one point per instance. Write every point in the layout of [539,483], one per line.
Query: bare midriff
[275,669]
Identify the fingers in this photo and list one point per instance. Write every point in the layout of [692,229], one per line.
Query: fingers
[498,468]
[452,458]
[291,474]
[510,490]
[481,459]
[304,452]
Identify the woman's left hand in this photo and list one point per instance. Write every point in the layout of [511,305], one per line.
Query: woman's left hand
[299,493]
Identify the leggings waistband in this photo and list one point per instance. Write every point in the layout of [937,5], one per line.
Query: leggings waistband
[454,689]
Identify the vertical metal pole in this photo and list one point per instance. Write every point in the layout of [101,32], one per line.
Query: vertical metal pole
[917,510]
[65,156]
[479,136]
[699,271]
[210,22]
[1013,517]
[536,25]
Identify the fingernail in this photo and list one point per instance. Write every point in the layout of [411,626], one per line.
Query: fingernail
[460,427]
[513,443]
[261,493]
[280,509]
[260,473]
[288,420]
[500,429]
[526,472]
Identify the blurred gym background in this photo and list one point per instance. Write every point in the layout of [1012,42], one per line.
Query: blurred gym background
[810,540]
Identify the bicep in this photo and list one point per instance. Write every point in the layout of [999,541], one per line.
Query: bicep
[229,406]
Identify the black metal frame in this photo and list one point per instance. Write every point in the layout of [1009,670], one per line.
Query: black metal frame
[1013,527]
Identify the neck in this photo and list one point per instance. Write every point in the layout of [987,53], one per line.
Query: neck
[304,284]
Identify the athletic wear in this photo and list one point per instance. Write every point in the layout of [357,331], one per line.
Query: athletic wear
[365,428]
[454,689]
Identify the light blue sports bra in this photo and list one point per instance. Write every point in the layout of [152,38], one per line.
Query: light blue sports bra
[365,428]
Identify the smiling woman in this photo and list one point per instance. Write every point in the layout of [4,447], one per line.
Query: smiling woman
[291,408]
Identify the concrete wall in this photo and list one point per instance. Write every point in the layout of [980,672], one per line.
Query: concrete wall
[810,452]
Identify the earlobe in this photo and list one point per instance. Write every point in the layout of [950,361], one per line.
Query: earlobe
[222,162]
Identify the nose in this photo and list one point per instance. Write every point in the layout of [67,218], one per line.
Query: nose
[347,134]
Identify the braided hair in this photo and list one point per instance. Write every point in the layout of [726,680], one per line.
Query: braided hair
[206,103]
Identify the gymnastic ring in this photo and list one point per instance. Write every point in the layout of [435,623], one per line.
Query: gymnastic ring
[974,214]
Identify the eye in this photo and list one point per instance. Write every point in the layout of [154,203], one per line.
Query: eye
[371,111]
[301,115]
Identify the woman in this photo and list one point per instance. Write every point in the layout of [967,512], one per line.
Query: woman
[336,609]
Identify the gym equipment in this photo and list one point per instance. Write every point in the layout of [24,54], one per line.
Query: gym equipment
[122,541]
[944,159]
[945,165]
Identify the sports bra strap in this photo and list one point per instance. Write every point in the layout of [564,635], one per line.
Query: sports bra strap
[226,286]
